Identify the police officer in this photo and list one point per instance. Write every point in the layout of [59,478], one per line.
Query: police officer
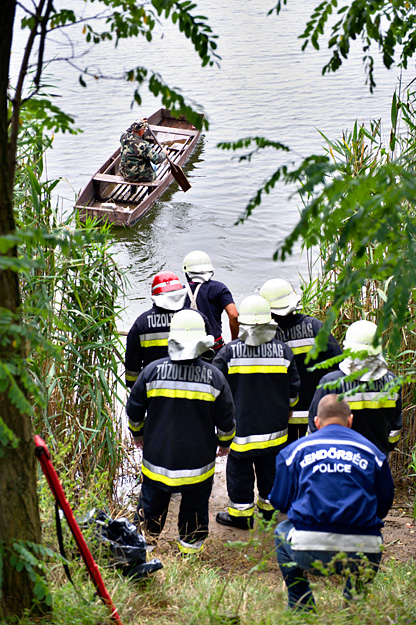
[209,296]
[298,331]
[264,381]
[147,339]
[336,487]
[138,157]
[377,412]
[180,409]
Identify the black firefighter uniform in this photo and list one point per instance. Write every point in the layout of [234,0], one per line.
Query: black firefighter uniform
[299,331]
[147,341]
[265,385]
[183,410]
[377,411]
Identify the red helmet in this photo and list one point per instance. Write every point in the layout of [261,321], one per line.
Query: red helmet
[165,281]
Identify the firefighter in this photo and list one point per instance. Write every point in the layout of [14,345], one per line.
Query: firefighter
[209,296]
[336,487]
[180,410]
[298,331]
[147,339]
[264,382]
[377,406]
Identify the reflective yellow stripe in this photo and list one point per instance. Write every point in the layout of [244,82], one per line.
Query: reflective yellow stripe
[294,420]
[258,369]
[259,444]
[135,428]
[264,506]
[241,513]
[371,405]
[189,548]
[131,378]
[293,402]
[180,393]
[226,437]
[176,481]
[302,350]
[155,343]
[394,439]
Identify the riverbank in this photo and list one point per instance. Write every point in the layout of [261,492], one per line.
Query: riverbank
[399,533]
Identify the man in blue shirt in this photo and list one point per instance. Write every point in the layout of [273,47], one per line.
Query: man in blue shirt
[209,296]
[336,487]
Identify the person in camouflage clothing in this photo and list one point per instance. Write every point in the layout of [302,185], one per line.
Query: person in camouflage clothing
[138,157]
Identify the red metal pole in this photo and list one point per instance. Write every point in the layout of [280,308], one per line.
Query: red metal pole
[42,454]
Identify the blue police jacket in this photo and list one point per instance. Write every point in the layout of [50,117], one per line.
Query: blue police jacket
[333,480]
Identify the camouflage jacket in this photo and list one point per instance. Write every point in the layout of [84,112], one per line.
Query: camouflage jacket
[137,156]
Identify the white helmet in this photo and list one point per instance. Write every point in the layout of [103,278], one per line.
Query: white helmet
[360,336]
[254,311]
[187,326]
[197,262]
[281,296]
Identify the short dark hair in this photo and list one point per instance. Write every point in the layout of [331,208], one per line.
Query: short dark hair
[332,407]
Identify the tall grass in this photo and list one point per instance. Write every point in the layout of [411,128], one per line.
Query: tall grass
[357,152]
[71,297]
[228,584]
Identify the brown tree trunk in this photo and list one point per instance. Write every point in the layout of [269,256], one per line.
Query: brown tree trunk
[19,513]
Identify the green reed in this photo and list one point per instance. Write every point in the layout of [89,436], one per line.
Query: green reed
[71,297]
[357,152]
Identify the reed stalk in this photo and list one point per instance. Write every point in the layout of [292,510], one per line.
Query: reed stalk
[357,152]
[71,297]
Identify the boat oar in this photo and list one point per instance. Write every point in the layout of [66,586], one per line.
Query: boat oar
[176,170]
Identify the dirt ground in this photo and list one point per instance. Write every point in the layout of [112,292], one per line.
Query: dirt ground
[399,533]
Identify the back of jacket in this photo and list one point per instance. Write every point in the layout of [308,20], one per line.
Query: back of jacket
[147,341]
[183,410]
[265,384]
[299,331]
[333,480]
[377,414]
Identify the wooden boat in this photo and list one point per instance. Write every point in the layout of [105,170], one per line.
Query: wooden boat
[109,198]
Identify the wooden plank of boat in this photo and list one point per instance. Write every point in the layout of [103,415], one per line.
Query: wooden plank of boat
[109,197]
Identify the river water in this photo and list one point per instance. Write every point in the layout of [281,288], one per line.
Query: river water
[265,86]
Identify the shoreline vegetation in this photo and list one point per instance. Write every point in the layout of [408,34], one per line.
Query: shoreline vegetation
[71,287]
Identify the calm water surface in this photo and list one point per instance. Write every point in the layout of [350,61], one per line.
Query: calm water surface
[265,86]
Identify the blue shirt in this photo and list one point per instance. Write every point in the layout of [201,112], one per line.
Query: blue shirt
[212,298]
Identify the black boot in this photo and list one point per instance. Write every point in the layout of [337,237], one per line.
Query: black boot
[267,514]
[242,522]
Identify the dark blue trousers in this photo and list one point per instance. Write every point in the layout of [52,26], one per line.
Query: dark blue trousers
[294,566]
[193,511]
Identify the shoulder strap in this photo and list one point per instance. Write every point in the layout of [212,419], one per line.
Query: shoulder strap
[193,296]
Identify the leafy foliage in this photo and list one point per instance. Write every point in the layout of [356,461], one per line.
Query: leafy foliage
[117,20]
[7,436]
[359,202]
[63,370]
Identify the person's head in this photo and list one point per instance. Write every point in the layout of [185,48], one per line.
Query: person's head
[254,310]
[197,261]
[281,296]
[138,127]
[188,338]
[360,337]
[164,282]
[333,411]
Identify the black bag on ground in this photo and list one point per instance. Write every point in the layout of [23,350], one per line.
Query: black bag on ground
[126,546]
